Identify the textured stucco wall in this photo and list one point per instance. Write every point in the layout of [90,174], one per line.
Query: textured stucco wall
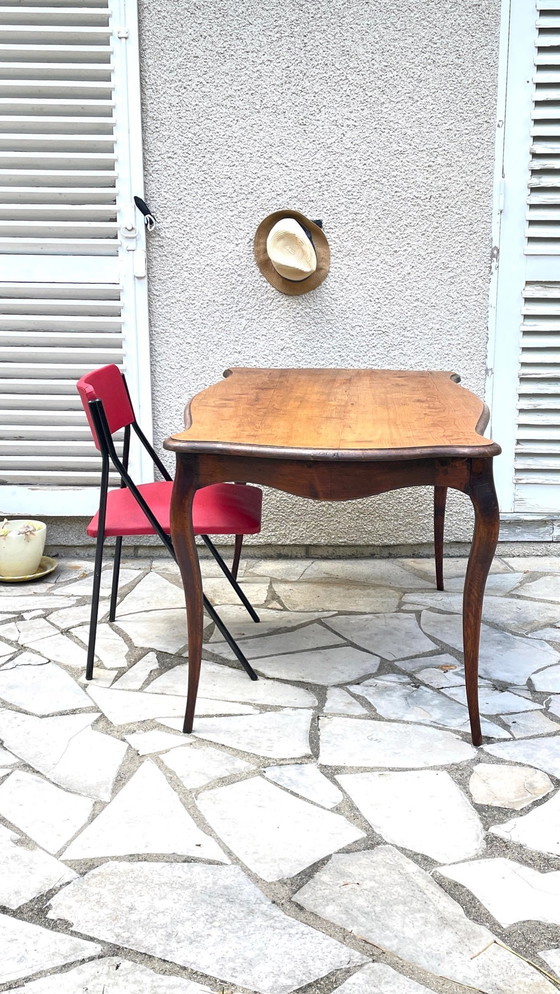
[377,117]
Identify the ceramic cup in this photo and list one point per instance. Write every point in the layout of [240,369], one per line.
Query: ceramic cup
[21,546]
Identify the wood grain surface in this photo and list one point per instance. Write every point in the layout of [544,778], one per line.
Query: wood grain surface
[343,413]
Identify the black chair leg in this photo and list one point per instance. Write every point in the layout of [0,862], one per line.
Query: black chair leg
[115,584]
[227,573]
[236,556]
[94,605]
[229,638]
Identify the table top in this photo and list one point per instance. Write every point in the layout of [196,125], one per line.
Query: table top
[354,414]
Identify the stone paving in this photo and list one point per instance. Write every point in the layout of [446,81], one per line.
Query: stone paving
[329,828]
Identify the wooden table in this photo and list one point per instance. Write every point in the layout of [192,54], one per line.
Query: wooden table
[339,434]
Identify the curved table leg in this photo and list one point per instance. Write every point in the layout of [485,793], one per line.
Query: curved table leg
[184,489]
[440,497]
[486,527]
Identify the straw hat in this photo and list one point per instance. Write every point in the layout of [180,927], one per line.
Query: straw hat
[292,252]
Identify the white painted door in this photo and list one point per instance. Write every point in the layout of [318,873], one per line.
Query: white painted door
[72,250]
[525,350]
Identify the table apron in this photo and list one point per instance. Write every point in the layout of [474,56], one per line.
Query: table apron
[330,479]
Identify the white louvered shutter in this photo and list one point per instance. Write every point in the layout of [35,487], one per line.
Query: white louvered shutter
[72,251]
[526,368]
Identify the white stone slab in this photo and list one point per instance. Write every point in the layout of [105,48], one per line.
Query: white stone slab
[377,978]
[535,564]
[30,631]
[282,569]
[422,810]
[552,957]
[154,741]
[364,742]
[112,976]
[48,815]
[151,593]
[66,750]
[494,701]
[530,723]
[270,620]
[456,566]
[17,603]
[6,758]
[387,572]
[164,631]
[320,666]
[548,634]
[137,674]
[511,892]
[219,682]
[310,637]
[502,786]
[35,685]
[316,596]
[497,583]
[443,671]
[537,830]
[145,817]
[393,636]
[502,656]
[548,680]
[27,872]
[219,591]
[274,833]
[28,949]
[196,765]
[507,612]
[10,631]
[338,701]
[69,617]
[554,705]
[73,569]
[6,649]
[110,648]
[128,904]
[307,781]
[84,585]
[278,734]
[542,753]
[389,900]
[545,589]
[61,649]
[125,707]
[422,704]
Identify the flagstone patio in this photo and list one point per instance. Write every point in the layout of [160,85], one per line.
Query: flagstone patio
[329,828]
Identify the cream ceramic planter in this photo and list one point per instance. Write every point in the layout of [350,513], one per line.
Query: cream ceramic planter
[21,546]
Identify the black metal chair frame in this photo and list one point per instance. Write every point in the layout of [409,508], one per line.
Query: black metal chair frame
[109,455]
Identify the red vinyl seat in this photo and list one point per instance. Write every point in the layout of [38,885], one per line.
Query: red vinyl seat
[144,509]
[222,509]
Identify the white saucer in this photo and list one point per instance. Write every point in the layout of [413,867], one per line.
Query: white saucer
[46,566]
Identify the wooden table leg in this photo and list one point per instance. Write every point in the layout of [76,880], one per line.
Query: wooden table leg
[440,497]
[486,527]
[184,489]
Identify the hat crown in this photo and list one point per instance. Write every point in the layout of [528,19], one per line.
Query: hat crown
[291,250]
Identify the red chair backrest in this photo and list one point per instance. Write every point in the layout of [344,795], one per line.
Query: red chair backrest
[106,384]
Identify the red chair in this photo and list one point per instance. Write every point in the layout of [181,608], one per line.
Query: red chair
[220,509]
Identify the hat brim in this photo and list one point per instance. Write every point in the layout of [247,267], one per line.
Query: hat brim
[292,287]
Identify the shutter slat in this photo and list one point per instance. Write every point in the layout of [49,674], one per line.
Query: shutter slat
[54,124]
[53,15]
[60,70]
